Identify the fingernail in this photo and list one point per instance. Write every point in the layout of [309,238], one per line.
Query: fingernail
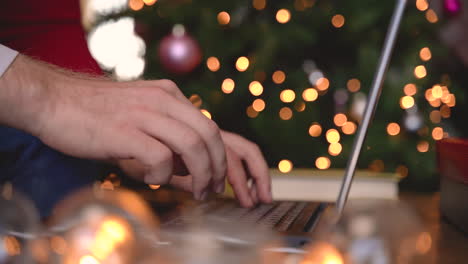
[220,188]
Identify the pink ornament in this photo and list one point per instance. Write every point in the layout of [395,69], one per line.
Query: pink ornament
[452,7]
[179,53]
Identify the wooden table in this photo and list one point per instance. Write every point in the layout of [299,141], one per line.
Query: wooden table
[449,244]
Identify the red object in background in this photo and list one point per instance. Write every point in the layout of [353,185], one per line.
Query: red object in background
[49,30]
[452,156]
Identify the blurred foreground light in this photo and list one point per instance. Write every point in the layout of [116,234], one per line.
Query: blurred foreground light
[322,84]
[315,130]
[431,16]
[286,113]
[224,18]
[213,64]
[136,5]
[279,77]
[393,129]
[437,133]
[340,119]
[283,16]
[287,96]
[349,128]
[242,64]
[422,5]
[258,105]
[255,88]
[353,85]
[425,54]
[407,102]
[420,72]
[322,163]
[423,146]
[259,4]
[251,112]
[285,166]
[333,136]
[228,86]
[206,113]
[335,149]
[310,95]
[338,21]
[402,171]
[410,89]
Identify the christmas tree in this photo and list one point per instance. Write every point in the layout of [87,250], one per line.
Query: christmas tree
[293,76]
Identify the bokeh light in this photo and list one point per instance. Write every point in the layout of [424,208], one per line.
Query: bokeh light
[335,149]
[242,64]
[410,89]
[437,133]
[285,166]
[420,72]
[285,113]
[340,119]
[353,85]
[315,130]
[322,84]
[422,5]
[206,113]
[333,136]
[259,4]
[258,105]
[431,16]
[423,146]
[136,5]
[338,21]
[287,96]
[279,77]
[437,91]
[310,95]
[283,16]
[407,102]
[228,86]
[251,112]
[150,2]
[196,100]
[435,116]
[256,88]
[88,259]
[213,64]
[445,111]
[224,18]
[349,128]
[300,106]
[154,186]
[393,129]
[322,163]
[425,54]
[402,171]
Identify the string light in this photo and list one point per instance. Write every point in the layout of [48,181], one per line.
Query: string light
[340,119]
[406,102]
[410,89]
[425,54]
[258,105]
[283,16]
[377,165]
[423,146]
[206,113]
[393,129]
[402,171]
[228,86]
[154,186]
[435,103]
[136,5]
[431,16]
[338,21]
[213,64]
[310,95]
[255,88]
[251,112]
[285,166]
[300,106]
[150,2]
[279,77]
[335,149]
[422,5]
[287,96]
[259,4]
[224,18]
[333,136]
[420,72]
[445,111]
[437,92]
[349,128]
[322,163]
[354,85]
[322,84]
[437,133]
[196,100]
[242,64]
[315,130]
[435,116]
[452,101]
[285,113]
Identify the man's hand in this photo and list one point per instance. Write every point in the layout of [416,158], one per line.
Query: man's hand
[147,121]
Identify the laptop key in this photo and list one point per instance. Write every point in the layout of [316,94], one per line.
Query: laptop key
[290,217]
[275,215]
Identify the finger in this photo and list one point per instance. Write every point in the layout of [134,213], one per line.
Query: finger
[238,179]
[253,193]
[184,141]
[256,163]
[182,182]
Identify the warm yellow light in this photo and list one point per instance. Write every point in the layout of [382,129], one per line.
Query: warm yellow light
[279,77]
[196,100]
[11,245]
[349,128]
[338,21]
[333,136]
[445,111]
[224,18]
[256,88]
[393,129]
[452,101]
[423,146]
[335,149]
[283,16]
[259,4]
[300,106]
[258,105]
[322,84]
[437,133]
[213,64]
[89,260]
[407,102]
[154,186]
[322,163]
[315,130]
[206,113]
[435,116]
[353,85]
[431,16]
[136,5]
[435,103]
[310,95]
[402,171]
[422,5]
[425,54]
[286,113]
[115,229]
[437,92]
[377,165]
[58,245]
[251,112]
[420,72]
[228,86]
[287,96]
[340,119]
[285,166]
[242,64]
[150,2]
[410,89]
[423,243]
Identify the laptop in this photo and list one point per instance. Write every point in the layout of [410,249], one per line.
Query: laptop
[297,220]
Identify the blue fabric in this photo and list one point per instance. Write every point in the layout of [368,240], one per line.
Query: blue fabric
[43,174]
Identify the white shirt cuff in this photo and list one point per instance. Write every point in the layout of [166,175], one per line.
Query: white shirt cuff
[7,56]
